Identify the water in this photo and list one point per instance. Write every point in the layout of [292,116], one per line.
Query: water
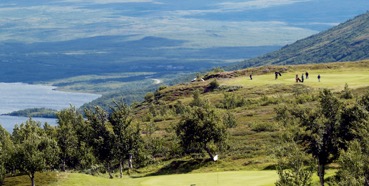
[19,96]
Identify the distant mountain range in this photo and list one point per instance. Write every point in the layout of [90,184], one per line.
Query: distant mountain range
[348,41]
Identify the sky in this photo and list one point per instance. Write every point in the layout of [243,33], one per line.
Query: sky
[201,23]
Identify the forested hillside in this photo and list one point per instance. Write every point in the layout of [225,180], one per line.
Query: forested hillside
[348,41]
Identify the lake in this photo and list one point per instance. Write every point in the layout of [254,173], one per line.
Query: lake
[19,96]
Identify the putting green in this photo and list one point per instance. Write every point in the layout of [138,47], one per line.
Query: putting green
[234,178]
[332,79]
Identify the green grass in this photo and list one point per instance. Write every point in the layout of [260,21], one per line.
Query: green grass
[334,79]
[230,178]
[233,178]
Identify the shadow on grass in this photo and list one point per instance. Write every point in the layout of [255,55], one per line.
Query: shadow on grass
[181,166]
[44,178]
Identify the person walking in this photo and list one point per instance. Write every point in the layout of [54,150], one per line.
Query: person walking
[297,78]
[319,77]
[302,77]
[307,75]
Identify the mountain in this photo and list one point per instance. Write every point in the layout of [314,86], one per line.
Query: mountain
[348,41]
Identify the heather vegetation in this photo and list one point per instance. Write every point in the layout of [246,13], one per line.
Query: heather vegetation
[299,131]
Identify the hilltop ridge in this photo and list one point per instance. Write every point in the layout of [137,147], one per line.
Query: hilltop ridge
[348,41]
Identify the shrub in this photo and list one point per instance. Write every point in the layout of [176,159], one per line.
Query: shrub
[232,101]
[229,120]
[346,93]
[213,84]
[263,127]
[149,97]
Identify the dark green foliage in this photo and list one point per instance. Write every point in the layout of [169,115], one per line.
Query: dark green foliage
[162,87]
[295,168]
[353,124]
[149,97]
[201,129]
[229,120]
[6,150]
[326,129]
[320,129]
[232,101]
[197,101]
[72,139]
[263,127]
[346,93]
[213,85]
[179,107]
[35,112]
[364,101]
[127,138]
[102,137]
[34,150]
[354,163]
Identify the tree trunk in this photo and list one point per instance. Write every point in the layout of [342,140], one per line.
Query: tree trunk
[121,168]
[209,152]
[321,172]
[109,171]
[32,177]
[63,168]
[130,164]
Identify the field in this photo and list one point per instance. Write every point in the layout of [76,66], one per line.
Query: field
[333,77]
[255,178]
[231,178]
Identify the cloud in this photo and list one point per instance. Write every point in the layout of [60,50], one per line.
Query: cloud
[255,4]
[109,1]
[68,21]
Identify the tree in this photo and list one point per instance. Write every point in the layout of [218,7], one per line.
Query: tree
[353,125]
[354,166]
[354,158]
[321,128]
[364,101]
[68,119]
[201,129]
[327,131]
[197,101]
[6,149]
[102,137]
[35,151]
[125,138]
[294,167]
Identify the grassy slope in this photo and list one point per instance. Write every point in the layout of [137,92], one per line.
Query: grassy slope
[252,141]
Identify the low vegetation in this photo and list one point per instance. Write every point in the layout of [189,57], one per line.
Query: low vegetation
[182,128]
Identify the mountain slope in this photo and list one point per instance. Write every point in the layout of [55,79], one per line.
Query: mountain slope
[348,41]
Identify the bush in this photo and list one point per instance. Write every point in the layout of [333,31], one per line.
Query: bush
[263,127]
[149,97]
[213,84]
[346,93]
[294,167]
[229,120]
[232,101]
